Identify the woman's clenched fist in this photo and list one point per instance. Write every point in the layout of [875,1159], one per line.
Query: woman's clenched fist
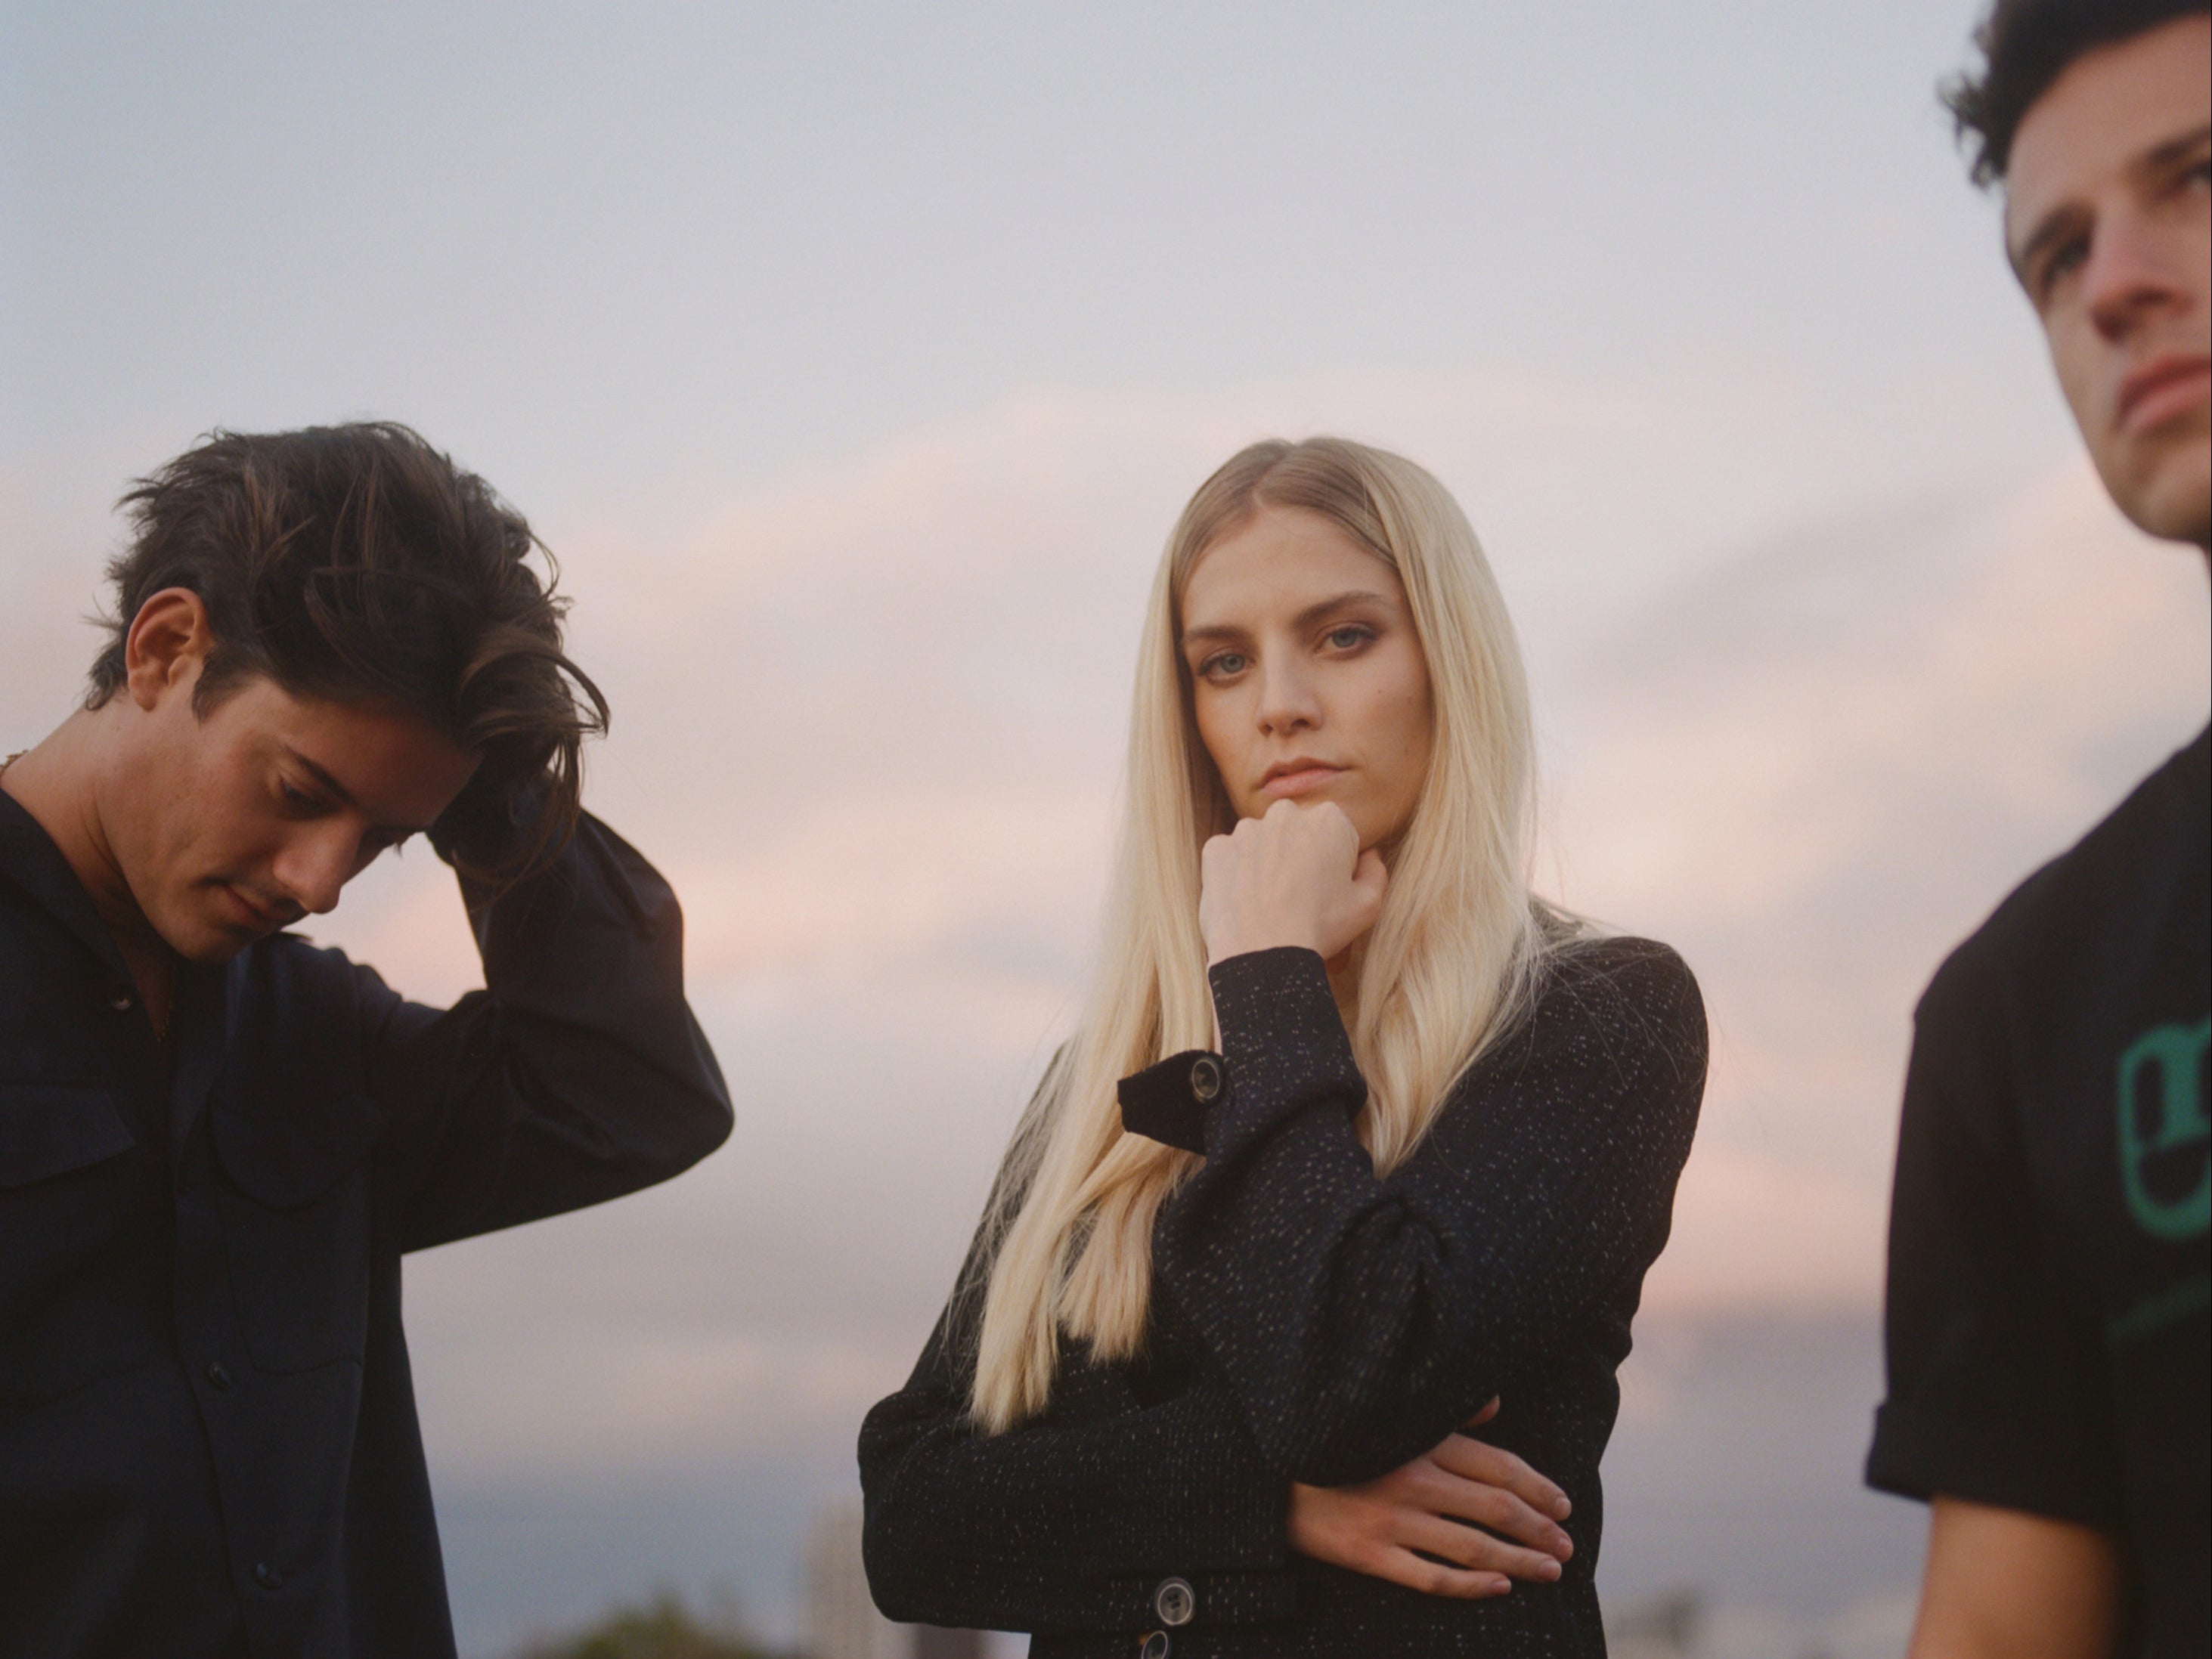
[1295,876]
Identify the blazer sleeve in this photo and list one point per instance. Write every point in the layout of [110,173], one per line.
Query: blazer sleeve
[576,1075]
[1360,1320]
[1070,1523]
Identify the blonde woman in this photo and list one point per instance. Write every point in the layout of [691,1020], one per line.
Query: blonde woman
[1357,1140]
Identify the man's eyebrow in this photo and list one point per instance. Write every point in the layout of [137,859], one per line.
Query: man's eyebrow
[1305,618]
[2064,216]
[2172,151]
[322,776]
[2062,220]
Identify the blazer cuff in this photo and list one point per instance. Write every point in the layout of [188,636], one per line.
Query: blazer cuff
[1167,1102]
[1282,1043]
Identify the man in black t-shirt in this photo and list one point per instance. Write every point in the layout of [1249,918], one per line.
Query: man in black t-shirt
[2048,1265]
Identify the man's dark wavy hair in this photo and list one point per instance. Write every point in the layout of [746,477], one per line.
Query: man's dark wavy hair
[2026,45]
[357,564]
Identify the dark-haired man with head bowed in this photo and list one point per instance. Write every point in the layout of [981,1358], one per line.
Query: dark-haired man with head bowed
[2047,1329]
[216,1140]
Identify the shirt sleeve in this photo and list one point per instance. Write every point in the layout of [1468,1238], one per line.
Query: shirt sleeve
[1360,1319]
[576,1075]
[1070,1523]
[1997,1385]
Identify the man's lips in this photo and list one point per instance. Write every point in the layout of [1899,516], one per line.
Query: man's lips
[249,914]
[1296,777]
[2159,391]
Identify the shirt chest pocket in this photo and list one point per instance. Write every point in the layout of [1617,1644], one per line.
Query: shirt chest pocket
[298,1227]
[81,1207]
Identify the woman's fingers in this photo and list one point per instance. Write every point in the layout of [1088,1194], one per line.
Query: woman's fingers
[1475,1551]
[1403,1566]
[1493,1466]
[1446,1492]
[1361,905]
[1482,1416]
[1296,875]
[1411,1527]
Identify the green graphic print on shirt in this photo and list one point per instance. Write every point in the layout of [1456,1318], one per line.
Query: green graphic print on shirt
[2162,1117]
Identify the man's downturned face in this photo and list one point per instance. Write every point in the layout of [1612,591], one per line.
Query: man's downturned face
[2108,221]
[230,827]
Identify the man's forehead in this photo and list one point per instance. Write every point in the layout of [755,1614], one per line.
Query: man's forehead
[392,765]
[2109,112]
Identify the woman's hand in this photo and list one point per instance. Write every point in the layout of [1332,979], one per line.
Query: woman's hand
[1295,876]
[1376,1527]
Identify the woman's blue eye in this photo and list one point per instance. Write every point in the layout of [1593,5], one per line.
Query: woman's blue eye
[1229,662]
[1347,637]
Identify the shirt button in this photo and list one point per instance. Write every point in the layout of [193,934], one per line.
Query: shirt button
[216,1375]
[1205,1078]
[1175,1601]
[267,1576]
[1157,1646]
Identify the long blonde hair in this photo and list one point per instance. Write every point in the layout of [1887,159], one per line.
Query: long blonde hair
[1449,967]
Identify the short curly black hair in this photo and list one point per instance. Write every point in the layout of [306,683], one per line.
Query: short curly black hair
[2026,45]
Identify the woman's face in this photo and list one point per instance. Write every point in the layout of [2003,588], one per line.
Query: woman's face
[1307,679]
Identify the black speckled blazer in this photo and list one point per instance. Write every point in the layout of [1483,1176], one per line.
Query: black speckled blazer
[1313,1324]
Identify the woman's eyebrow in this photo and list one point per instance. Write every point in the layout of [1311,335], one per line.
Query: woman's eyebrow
[1209,632]
[1314,613]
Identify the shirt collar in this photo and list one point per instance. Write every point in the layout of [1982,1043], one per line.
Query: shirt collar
[29,859]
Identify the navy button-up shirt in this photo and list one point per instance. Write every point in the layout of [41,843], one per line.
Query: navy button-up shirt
[208,1439]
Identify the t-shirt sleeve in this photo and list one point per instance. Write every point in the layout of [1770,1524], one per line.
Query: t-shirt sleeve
[1997,1391]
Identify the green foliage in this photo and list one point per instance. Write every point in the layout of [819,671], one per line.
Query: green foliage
[664,1628]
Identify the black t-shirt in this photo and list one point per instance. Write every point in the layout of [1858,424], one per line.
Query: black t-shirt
[2048,1254]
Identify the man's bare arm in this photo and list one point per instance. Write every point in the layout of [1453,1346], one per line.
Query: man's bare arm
[2005,1582]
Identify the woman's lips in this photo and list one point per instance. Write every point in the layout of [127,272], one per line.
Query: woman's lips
[2155,395]
[1285,786]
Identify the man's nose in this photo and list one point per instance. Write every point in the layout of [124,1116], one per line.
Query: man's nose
[313,870]
[2132,274]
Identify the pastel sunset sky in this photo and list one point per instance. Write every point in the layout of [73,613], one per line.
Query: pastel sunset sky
[855,359]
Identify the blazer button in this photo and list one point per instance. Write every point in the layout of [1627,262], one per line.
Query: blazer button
[1175,1601]
[1205,1078]
[267,1576]
[120,1001]
[217,1378]
[1157,1646]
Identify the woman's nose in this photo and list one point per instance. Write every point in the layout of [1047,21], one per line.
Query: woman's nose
[1287,700]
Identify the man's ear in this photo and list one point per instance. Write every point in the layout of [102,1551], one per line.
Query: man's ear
[167,646]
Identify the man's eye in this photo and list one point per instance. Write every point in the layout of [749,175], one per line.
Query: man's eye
[298,798]
[2064,261]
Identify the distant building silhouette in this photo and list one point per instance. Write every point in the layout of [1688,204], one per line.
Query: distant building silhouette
[1666,1626]
[930,1642]
[843,1622]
